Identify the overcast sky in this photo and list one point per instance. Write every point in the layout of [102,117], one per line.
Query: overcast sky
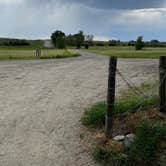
[105,19]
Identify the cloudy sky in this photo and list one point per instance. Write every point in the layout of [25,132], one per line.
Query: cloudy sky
[106,19]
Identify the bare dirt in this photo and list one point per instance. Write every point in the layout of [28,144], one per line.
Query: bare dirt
[41,102]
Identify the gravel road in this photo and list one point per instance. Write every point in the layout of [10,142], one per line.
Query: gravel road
[41,102]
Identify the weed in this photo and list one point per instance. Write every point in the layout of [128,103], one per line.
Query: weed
[95,116]
[148,135]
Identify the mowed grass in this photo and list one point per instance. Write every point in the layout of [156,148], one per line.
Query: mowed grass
[31,54]
[129,52]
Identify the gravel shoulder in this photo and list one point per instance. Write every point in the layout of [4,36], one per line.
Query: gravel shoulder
[43,100]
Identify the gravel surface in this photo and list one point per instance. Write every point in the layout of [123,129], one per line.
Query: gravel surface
[42,102]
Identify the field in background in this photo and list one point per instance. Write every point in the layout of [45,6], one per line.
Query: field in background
[129,52]
[23,53]
[34,44]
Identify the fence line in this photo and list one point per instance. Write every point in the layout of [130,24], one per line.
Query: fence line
[111,89]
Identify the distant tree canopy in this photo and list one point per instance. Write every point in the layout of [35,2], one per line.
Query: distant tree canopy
[154,43]
[131,43]
[89,40]
[139,43]
[14,42]
[114,43]
[59,39]
[79,38]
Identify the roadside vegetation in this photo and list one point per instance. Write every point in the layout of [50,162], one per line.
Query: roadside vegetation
[133,114]
[31,54]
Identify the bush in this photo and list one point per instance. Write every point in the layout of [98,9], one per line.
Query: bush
[135,103]
[60,43]
[100,44]
[106,157]
[95,116]
[139,43]
[148,135]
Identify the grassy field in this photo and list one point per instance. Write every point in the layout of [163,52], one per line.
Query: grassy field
[129,52]
[23,53]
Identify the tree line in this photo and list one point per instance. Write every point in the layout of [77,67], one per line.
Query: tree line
[14,42]
[61,40]
[139,43]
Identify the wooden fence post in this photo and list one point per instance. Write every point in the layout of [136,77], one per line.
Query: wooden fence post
[111,96]
[162,87]
[38,53]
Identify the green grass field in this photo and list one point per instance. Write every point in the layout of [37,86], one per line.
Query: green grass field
[129,52]
[21,53]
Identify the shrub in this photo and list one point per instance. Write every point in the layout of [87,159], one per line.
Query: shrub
[95,116]
[106,157]
[139,43]
[148,134]
[133,104]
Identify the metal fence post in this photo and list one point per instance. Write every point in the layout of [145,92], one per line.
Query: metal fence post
[162,88]
[111,96]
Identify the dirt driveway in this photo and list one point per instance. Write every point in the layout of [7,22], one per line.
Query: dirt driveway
[41,102]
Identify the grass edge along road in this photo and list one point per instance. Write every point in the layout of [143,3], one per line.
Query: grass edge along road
[31,54]
[148,125]
[129,51]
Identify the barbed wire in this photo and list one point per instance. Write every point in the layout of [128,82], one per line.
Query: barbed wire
[135,89]
[130,84]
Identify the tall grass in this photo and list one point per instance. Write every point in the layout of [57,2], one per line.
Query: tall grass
[148,135]
[127,102]
[95,115]
[31,54]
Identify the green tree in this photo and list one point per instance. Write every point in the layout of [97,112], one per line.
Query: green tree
[131,43]
[70,40]
[89,40]
[79,39]
[155,43]
[139,43]
[58,39]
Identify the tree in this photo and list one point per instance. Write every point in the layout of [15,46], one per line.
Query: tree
[70,40]
[58,39]
[139,43]
[79,39]
[155,43]
[89,40]
[131,43]
[114,43]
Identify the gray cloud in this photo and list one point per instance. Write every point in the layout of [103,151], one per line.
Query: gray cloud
[38,19]
[108,4]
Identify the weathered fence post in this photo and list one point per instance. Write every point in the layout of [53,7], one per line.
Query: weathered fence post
[38,53]
[162,87]
[111,96]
